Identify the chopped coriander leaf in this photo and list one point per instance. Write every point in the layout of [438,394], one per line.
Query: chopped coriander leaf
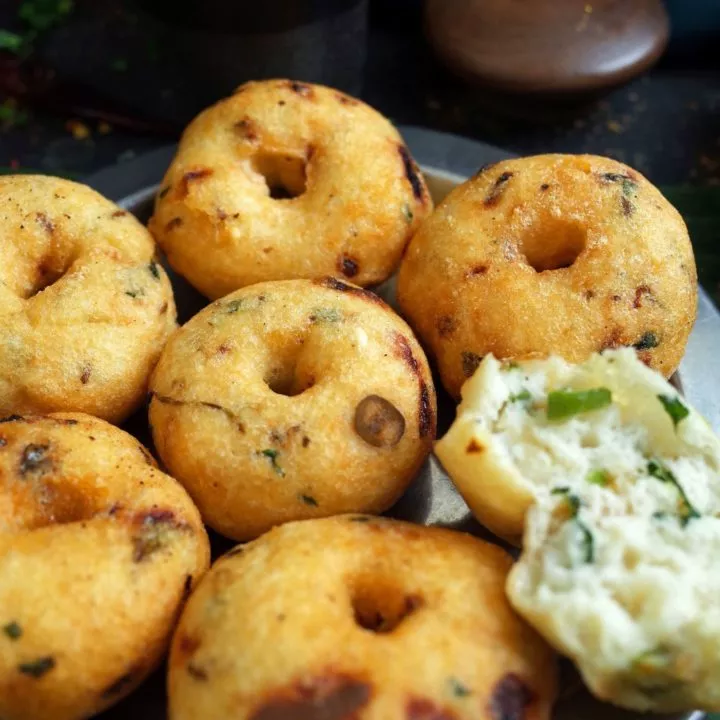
[510,365]
[629,187]
[234,305]
[154,271]
[408,213]
[458,689]
[656,469]
[10,41]
[37,668]
[522,396]
[13,630]
[647,341]
[598,477]
[566,403]
[674,408]
[272,455]
[573,504]
[587,543]
[309,500]
[331,315]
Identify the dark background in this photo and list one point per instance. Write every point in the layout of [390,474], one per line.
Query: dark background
[104,80]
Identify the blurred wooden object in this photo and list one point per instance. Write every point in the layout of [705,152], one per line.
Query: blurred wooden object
[555,46]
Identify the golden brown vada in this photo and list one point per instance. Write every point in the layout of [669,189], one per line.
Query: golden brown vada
[358,617]
[550,254]
[288,180]
[292,399]
[84,307]
[98,551]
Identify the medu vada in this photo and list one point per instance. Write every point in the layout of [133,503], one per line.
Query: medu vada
[84,307]
[98,551]
[288,180]
[292,399]
[550,254]
[362,617]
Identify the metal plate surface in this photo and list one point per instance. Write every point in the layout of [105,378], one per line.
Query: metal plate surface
[445,160]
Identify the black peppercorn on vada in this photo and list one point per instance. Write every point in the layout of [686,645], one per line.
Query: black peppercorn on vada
[98,551]
[551,254]
[292,399]
[84,307]
[358,617]
[288,180]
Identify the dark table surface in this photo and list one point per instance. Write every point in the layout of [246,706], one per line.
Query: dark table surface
[665,123]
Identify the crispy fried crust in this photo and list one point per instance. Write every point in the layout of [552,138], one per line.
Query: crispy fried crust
[359,617]
[84,307]
[292,399]
[359,195]
[98,551]
[550,254]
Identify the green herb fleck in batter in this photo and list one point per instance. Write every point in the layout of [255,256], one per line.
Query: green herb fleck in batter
[674,408]
[330,315]
[598,477]
[656,469]
[13,630]
[37,668]
[272,455]
[154,271]
[457,688]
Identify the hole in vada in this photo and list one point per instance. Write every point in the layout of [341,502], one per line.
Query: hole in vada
[284,384]
[381,607]
[285,378]
[553,244]
[46,275]
[285,175]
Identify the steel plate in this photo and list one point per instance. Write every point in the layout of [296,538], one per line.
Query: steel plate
[431,500]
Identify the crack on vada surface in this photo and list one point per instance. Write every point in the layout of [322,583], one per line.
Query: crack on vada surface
[166,400]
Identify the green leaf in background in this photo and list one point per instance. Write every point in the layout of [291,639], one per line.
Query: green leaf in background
[700,208]
[43,14]
[10,41]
